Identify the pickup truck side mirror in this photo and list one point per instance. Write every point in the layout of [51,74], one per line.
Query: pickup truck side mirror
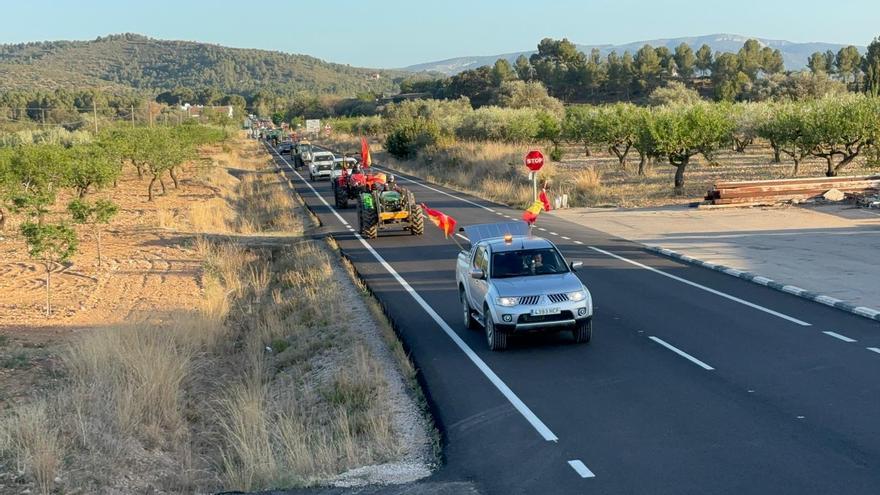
[478,274]
[575,265]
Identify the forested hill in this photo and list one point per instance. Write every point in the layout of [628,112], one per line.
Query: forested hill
[135,61]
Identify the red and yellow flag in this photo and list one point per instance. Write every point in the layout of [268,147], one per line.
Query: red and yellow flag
[366,160]
[441,220]
[544,201]
[531,213]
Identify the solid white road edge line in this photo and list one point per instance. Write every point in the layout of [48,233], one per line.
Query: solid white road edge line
[660,272]
[581,469]
[703,287]
[520,406]
[681,353]
[839,336]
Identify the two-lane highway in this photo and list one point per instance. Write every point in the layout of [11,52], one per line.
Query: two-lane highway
[695,382]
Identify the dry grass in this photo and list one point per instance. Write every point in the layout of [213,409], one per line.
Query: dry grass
[35,447]
[265,384]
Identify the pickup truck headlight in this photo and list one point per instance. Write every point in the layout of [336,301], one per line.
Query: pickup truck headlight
[507,301]
[577,296]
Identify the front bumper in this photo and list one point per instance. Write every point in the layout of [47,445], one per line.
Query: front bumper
[521,319]
[322,173]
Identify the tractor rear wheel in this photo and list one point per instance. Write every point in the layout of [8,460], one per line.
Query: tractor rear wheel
[369,222]
[340,195]
[416,220]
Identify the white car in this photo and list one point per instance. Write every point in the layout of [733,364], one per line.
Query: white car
[321,165]
[337,166]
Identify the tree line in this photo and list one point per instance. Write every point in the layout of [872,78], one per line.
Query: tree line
[751,74]
[837,130]
[32,176]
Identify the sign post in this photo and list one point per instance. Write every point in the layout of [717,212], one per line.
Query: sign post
[534,161]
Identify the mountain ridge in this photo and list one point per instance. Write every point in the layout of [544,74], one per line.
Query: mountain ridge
[794,54]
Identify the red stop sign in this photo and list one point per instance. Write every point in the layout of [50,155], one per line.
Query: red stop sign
[534,160]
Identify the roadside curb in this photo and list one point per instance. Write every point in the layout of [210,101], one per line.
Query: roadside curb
[865,312]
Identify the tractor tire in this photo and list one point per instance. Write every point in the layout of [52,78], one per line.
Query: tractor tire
[416,220]
[340,196]
[369,222]
[583,331]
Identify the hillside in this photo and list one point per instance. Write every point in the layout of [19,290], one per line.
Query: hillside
[135,61]
[794,54]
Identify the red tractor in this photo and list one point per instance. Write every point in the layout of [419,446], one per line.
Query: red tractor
[350,184]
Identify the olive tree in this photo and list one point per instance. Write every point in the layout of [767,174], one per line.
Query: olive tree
[88,166]
[785,128]
[51,244]
[617,127]
[578,125]
[680,132]
[747,118]
[839,129]
[95,214]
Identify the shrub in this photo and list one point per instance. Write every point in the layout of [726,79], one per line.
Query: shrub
[410,136]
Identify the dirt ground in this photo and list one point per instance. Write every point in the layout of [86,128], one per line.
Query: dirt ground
[147,270]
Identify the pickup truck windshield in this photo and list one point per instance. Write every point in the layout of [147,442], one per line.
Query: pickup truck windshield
[545,261]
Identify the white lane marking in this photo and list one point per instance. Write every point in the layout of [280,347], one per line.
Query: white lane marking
[499,213]
[502,387]
[542,229]
[581,469]
[839,336]
[578,242]
[566,238]
[553,233]
[703,287]
[439,191]
[681,353]
[873,349]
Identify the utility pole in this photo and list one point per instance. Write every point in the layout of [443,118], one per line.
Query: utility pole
[95,110]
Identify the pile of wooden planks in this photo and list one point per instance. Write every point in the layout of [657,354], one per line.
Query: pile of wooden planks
[768,192]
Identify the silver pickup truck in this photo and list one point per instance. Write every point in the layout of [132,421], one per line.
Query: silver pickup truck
[511,282]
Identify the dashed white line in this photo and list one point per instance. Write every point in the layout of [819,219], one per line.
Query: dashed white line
[502,387]
[542,229]
[566,238]
[681,353]
[581,469]
[703,287]
[839,336]
[873,349]
[578,242]
[553,233]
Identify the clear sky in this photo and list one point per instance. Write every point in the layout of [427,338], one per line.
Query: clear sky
[394,33]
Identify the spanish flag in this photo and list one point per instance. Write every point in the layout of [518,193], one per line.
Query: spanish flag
[531,213]
[543,198]
[366,161]
[441,220]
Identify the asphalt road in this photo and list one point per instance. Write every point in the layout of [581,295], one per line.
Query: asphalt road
[695,381]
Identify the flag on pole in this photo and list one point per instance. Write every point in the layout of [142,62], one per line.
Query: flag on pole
[441,220]
[531,213]
[366,161]
[544,201]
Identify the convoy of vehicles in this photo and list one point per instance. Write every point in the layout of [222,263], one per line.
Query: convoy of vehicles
[509,282]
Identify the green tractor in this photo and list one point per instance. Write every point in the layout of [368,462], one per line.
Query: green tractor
[379,210]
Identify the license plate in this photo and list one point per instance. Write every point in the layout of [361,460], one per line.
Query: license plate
[545,311]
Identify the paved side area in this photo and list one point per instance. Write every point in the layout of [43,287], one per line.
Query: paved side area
[827,249]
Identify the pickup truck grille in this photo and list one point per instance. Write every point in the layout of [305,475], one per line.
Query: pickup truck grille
[557,298]
[565,315]
[529,300]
